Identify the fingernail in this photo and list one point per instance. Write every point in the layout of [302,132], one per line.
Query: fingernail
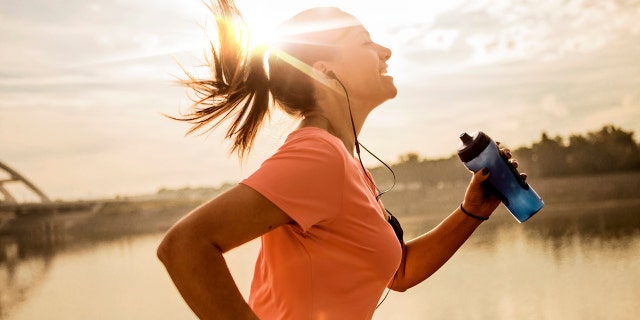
[485,171]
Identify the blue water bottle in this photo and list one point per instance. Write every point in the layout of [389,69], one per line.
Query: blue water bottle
[478,151]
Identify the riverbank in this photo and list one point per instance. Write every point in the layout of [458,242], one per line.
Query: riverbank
[597,216]
[573,190]
[106,262]
[425,205]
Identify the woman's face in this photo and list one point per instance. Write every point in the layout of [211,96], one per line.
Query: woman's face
[361,65]
[341,44]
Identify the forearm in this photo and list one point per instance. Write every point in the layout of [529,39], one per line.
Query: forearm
[425,254]
[192,250]
[203,279]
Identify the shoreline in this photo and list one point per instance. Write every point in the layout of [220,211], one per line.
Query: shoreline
[584,195]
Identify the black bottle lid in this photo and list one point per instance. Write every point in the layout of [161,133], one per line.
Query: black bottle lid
[472,145]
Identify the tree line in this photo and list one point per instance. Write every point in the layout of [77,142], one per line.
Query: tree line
[609,149]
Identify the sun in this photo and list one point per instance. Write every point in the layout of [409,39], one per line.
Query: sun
[262,19]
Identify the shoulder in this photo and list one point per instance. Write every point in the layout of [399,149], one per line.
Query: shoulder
[308,153]
[314,137]
[314,145]
[304,177]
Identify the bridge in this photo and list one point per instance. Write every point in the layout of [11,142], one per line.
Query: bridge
[10,203]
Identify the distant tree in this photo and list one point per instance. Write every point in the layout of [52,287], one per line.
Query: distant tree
[606,150]
[409,157]
[613,149]
[609,149]
[549,156]
[579,156]
[409,168]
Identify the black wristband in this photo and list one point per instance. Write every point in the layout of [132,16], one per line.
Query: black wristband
[472,215]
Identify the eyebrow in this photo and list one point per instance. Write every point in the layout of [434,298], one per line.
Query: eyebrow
[365,33]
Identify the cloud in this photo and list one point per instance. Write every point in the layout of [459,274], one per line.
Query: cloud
[626,114]
[541,82]
[46,36]
[82,84]
[496,31]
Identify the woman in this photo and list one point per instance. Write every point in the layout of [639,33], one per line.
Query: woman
[327,251]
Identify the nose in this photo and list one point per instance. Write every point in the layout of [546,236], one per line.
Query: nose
[384,52]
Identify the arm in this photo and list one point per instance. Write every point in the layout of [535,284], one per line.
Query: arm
[423,256]
[192,250]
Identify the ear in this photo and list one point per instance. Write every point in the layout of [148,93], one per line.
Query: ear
[322,70]
[323,73]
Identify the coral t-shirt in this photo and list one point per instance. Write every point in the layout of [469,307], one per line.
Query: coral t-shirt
[337,258]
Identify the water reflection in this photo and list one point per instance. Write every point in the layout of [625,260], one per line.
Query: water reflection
[26,251]
[547,268]
[29,243]
[18,276]
[581,264]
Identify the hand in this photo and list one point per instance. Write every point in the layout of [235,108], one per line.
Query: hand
[478,198]
[505,153]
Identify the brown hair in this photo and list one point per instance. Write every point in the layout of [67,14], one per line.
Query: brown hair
[240,89]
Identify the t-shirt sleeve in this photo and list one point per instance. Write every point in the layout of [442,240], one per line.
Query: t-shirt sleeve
[305,179]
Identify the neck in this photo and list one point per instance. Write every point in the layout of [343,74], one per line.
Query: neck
[333,115]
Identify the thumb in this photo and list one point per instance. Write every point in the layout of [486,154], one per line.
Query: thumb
[479,183]
[476,192]
[478,198]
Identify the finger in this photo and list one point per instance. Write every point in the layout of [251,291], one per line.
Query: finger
[514,163]
[524,176]
[480,175]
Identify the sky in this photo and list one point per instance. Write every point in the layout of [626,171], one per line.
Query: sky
[84,84]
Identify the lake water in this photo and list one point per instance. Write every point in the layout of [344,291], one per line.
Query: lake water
[576,267]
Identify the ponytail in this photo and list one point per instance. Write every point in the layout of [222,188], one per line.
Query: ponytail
[238,89]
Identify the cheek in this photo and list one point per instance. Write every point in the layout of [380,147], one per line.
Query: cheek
[365,70]
[363,61]
[361,72]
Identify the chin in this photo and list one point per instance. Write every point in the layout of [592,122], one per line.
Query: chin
[392,92]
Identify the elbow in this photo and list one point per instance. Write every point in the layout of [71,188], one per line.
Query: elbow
[164,249]
[403,283]
[399,287]
[398,283]
[181,244]
[169,248]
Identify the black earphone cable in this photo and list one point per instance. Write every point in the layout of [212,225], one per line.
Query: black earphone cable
[358,145]
[379,193]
